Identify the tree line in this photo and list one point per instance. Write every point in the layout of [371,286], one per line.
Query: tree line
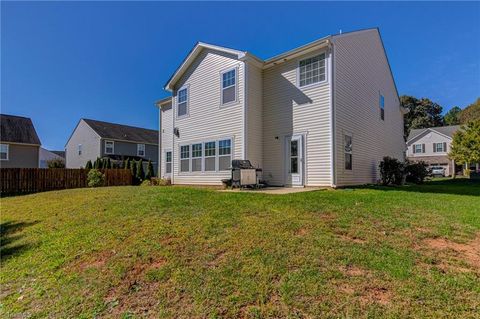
[136,167]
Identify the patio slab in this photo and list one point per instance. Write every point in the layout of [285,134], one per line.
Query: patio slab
[274,190]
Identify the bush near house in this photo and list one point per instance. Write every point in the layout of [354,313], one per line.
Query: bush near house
[391,171]
[95,178]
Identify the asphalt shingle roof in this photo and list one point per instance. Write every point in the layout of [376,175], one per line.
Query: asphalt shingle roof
[123,132]
[445,130]
[17,129]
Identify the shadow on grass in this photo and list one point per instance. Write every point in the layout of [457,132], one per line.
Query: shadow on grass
[459,186]
[8,237]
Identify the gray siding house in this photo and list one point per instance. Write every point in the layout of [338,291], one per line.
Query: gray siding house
[323,114]
[19,142]
[91,139]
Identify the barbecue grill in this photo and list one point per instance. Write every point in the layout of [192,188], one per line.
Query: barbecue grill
[245,174]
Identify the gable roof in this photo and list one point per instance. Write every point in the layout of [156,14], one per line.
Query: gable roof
[59,153]
[18,129]
[447,131]
[123,132]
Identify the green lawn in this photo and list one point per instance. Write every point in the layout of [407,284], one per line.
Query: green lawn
[179,252]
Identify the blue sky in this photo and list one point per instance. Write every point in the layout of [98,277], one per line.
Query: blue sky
[61,61]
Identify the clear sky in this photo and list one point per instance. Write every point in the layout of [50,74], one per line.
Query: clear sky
[61,61]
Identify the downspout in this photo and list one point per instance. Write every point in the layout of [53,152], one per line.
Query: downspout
[333,174]
[160,141]
[172,175]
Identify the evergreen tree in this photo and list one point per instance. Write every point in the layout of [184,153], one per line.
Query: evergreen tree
[89,165]
[128,164]
[133,168]
[125,164]
[96,165]
[150,172]
[140,171]
[109,163]
[452,117]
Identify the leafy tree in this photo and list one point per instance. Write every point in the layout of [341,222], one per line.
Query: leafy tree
[465,147]
[89,165]
[56,163]
[140,171]
[452,117]
[150,172]
[422,113]
[471,112]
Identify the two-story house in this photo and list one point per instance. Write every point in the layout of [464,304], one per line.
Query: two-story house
[432,145]
[323,114]
[92,139]
[19,142]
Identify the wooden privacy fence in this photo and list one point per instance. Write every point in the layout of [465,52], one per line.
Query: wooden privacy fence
[32,180]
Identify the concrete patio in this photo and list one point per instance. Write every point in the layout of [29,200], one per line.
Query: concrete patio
[274,190]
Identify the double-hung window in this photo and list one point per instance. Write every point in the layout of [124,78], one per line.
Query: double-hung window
[348,152]
[229,86]
[168,162]
[185,158]
[224,154]
[382,107]
[439,147]
[312,70]
[141,150]
[197,157]
[79,149]
[109,147]
[418,148]
[4,152]
[182,102]
[210,158]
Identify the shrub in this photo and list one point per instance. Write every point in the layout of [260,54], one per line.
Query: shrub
[155,181]
[150,172]
[140,171]
[89,165]
[95,178]
[416,172]
[391,171]
[146,183]
[108,163]
[56,163]
[467,172]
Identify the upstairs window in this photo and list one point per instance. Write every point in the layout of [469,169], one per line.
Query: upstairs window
[109,147]
[229,87]
[141,150]
[224,154]
[418,148]
[312,70]
[168,162]
[185,158]
[348,152]
[382,107]
[4,152]
[439,147]
[79,149]
[197,157]
[182,102]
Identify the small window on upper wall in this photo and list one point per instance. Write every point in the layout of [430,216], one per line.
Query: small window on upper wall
[79,149]
[182,102]
[348,152]
[382,107]
[312,70]
[141,150]
[418,148]
[109,147]
[4,152]
[229,86]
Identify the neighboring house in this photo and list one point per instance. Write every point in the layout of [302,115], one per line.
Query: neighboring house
[432,145]
[323,114]
[92,139]
[46,156]
[19,142]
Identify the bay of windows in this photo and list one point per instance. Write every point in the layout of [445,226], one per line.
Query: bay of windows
[207,156]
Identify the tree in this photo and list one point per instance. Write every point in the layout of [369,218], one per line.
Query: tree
[133,168]
[108,164]
[422,113]
[452,117]
[150,172]
[471,112]
[96,165]
[140,171]
[465,147]
[127,164]
[56,163]
[89,165]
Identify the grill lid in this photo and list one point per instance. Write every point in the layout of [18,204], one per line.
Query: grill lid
[241,164]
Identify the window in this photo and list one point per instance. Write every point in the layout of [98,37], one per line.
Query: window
[182,102]
[185,158]
[140,149]
[210,158]
[418,148]
[294,157]
[197,157]
[4,152]
[382,107]
[229,90]
[439,147]
[312,70]
[224,154]
[79,149]
[109,145]
[168,162]
[348,152]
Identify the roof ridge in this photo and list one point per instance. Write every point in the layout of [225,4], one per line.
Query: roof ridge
[142,128]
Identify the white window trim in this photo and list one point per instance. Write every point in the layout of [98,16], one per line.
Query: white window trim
[326,69]
[435,150]
[180,159]
[217,155]
[105,147]
[8,152]
[201,157]
[166,162]
[185,87]
[138,150]
[421,149]
[345,152]
[79,149]
[222,105]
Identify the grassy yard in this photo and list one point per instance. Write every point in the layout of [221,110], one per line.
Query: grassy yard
[179,252]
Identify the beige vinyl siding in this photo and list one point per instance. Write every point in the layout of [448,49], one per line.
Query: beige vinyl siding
[208,119]
[254,111]
[166,131]
[361,74]
[85,135]
[289,110]
[428,138]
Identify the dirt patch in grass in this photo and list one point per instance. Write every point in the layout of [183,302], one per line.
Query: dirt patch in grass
[468,252]
[96,261]
[380,295]
[352,238]
[353,271]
